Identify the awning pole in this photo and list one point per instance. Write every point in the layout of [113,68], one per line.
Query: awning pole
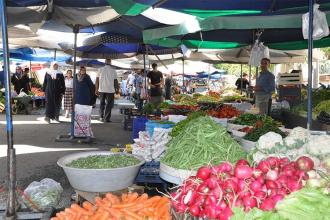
[55,54]
[75,31]
[241,79]
[11,156]
[310,65]
[183,86]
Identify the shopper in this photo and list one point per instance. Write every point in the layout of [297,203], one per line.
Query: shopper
[265,86]
[21,81]
[242,85]
[156,83]
[84,88]
[54,88]
[138,88]
[106,86]
[168,87]
[68,93]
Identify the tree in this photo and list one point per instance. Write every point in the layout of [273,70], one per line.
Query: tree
[326,51]
[235,69]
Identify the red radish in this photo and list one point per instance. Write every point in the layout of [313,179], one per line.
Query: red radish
[210,212]
[282,192]
[273,161]
[243,172]
[288,171]
[242,162]
[212,182]
[284,161]
[267,205]
[203,188]
[238,203]
[255,186]
[194,210]
[216,192]
[203,173]
[294,185]
[282,180]
[260,195]
[301,174]
[277,197]
[261,179]
[226,214]
[181,208]
[249,202]
[225,167]
[199,199]
[257,173]
[215,170]
[241,185]
[229,186]
[271,175]
[270,184]
[222,204]
[243,193]
[305,163]
[193,198]
[264,166]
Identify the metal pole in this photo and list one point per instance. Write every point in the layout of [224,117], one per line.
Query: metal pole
[241,79]
[250,75]
[11,160]
[55,54]
[145,72]
[183,86]
[75,31]
[310,65]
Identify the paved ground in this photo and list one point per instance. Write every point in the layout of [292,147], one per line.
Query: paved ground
[37,151]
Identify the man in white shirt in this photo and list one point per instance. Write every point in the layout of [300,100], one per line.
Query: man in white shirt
[105,87]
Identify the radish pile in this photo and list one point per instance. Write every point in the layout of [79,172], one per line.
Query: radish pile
[215,190]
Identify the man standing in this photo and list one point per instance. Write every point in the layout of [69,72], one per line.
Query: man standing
[105,86]
[242,85]
[168,87]
[156,83]
[265,86]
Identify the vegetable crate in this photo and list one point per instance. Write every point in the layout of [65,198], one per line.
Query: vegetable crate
[149,173]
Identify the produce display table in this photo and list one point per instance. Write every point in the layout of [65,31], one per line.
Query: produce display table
[38,99]
[127,107]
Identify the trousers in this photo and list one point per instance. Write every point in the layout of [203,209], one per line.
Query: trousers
[106,105]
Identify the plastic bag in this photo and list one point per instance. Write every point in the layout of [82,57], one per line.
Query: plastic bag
[258,52]
[40,196]
[82,122]
[320,24]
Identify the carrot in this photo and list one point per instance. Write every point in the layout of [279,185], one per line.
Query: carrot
[117,214]
[124,197]
[60,215]
[99,201]
[104,215]
[152,200]
[54,218]
[132,215]
[124,205]
[163,201]
[78,209]
[88,206]
[144,197]
[112,198]
[131,197]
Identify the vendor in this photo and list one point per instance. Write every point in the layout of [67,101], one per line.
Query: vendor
[156,84]
[265,86]
[20,80]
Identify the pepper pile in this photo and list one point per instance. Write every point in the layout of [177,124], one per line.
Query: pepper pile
[225,111]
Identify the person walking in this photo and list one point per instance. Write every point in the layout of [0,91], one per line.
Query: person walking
[156,84]
[168,87]
[105,87]
[139,80]
[54,88]
[84,91]
[265,86]
[68,95]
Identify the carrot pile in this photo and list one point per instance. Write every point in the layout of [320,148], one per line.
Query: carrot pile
[127,207]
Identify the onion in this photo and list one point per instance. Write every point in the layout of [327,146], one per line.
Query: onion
[203,173]
[243,172]
[305,163]
[271,175]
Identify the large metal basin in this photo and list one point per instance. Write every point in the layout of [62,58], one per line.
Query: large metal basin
[99,180]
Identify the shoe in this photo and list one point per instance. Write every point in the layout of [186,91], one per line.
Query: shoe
[57,119]
[101,119]
[108,121]
[47,120]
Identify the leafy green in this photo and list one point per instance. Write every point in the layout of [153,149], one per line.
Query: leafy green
[104,162]
[254,214]
[306,203]
[247,119]
[202,141]
[149,108]
[322,106]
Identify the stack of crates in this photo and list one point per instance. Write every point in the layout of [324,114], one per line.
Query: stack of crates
[289,87]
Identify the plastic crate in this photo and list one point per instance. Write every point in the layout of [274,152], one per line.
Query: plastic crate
[149,173]
[139,124]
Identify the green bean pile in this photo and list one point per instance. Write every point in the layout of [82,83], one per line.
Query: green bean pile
[104,162]
[202,142]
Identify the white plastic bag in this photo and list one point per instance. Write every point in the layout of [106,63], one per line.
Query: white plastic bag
[82,122]
[258,52]
[42,195]
[320,24]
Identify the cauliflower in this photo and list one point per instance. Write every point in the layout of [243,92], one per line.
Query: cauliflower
[258,156]
[269,141]
[297,137]
[318,145]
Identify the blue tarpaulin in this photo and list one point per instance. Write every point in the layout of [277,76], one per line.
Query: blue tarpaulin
[39,55]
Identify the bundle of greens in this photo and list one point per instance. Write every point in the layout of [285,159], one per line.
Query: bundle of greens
[202,141]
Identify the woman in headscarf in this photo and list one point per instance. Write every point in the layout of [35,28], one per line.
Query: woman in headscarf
[85,88]
[54,88]
[21,81]
[68,93]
